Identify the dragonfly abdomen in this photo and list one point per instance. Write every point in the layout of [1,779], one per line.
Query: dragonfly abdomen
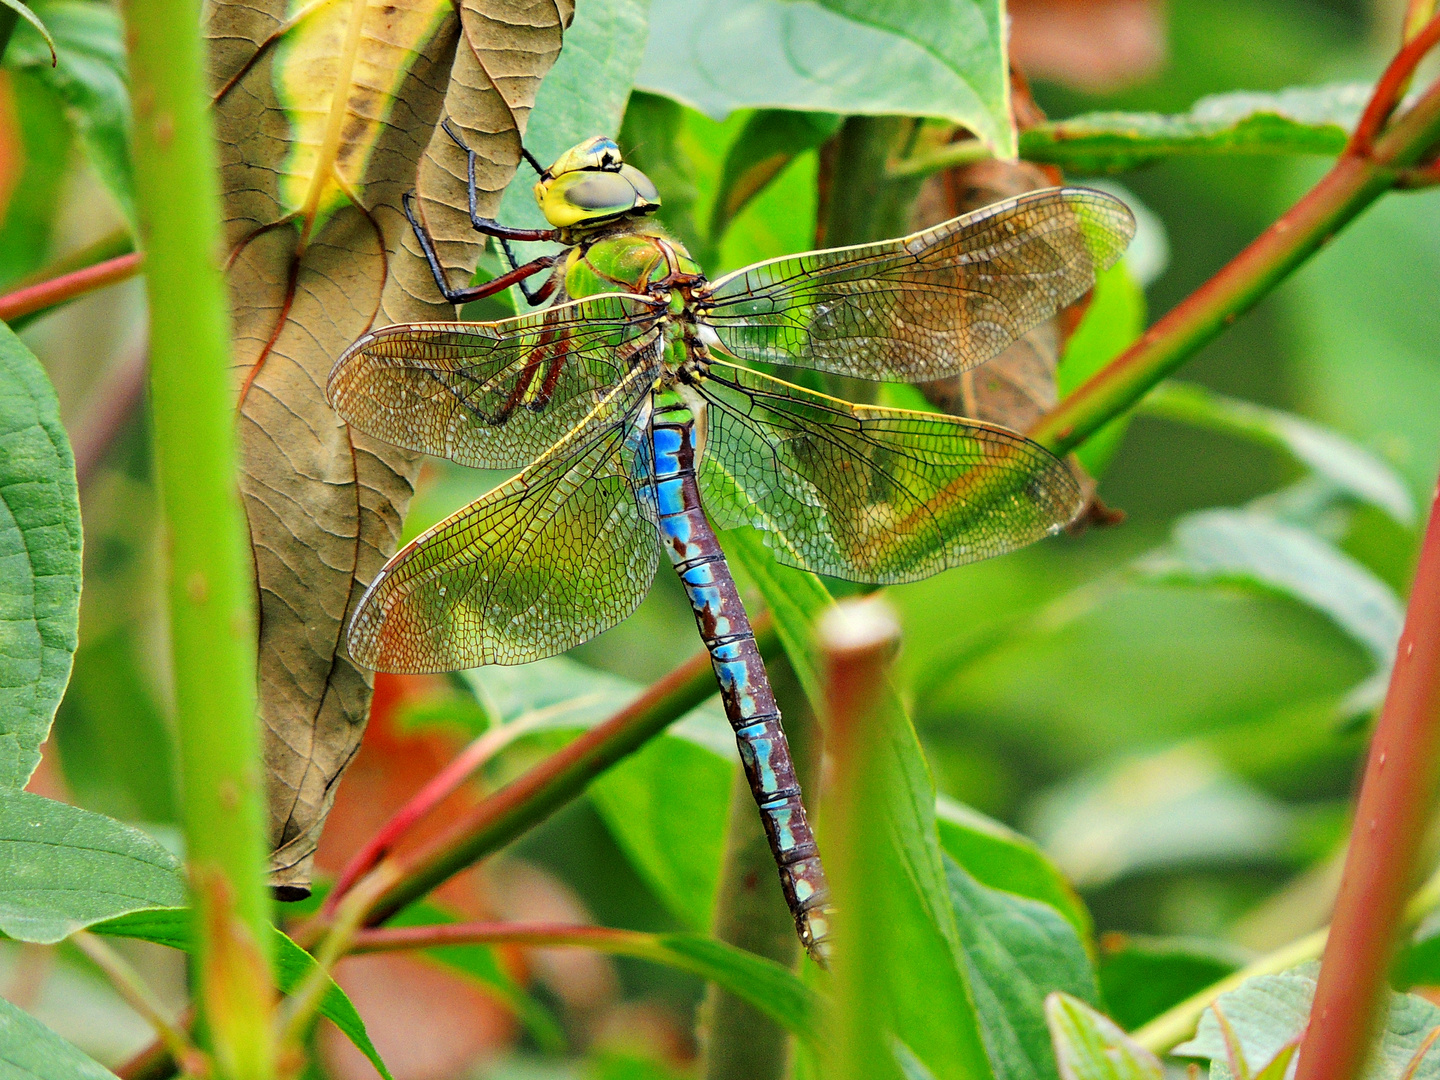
[740,670]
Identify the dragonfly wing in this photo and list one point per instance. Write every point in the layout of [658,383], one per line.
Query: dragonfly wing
[929,305]
[498,395]
[871,494]
[551,558]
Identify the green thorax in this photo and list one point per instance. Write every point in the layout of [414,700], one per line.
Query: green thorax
[633,260]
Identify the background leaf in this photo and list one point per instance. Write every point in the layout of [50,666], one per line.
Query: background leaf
[1141,977]
[89,79]
[310,271]
[1017,951]
[31,1049]
[39,559]
[62,869]
[943,58]
[1089,1046]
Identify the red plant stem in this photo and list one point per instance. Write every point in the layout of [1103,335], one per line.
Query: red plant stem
[1346,190]
[1395,801]
[439,787]
[48,294]
[393,938]
[535,795]
[1390,86]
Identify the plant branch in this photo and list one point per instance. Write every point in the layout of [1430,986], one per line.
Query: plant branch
[209,587]
[535,795]
[1346,190]
[1391,87]
[436,790]
[34,299]
[140,998]
[1178,1023]
[1395,799]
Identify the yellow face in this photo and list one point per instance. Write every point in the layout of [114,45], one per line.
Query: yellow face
[589,184]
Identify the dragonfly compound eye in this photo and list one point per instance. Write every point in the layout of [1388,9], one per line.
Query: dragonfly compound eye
[579,198]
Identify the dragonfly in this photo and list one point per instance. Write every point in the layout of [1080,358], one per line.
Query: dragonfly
[638,407]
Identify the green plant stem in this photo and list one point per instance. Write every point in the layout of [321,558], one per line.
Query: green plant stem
[1396,794]
[1347,189]
[1178,1023]
[212,623]
[138,996]
[537,794]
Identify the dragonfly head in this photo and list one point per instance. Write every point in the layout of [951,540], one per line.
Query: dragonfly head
[591,185]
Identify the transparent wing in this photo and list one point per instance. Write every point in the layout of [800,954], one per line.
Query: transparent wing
[498,395]
[869,494]
[929,305]
[551,558]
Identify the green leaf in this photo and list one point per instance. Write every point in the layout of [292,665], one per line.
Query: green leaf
[1089,1046]
[39,559]
[997,856]
[1267,1014]
[1302,120]
[1141,977]
[1169,809]
[1112,322]
[774,990]
[1017,951]
[770,140]
[941,58]
[478,962]
[34,20]
[584,94]
[172,927]
[62,869]
[90,79]
[667,807]
[31,1051]
[1253,548]
[934,1015]
[1349,466]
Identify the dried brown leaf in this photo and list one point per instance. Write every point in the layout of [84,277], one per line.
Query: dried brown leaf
[327,111]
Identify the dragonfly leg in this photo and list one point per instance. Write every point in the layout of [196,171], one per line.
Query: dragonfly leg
[474,292]
[489,226]
[538,296]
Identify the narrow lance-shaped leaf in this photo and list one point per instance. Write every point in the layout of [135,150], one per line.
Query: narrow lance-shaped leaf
[1089,1045]
[39,559]
[326,115]
[31,1050]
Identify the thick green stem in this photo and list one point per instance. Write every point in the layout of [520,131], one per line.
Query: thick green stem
[739,1041]
[210,593]
[1347,189]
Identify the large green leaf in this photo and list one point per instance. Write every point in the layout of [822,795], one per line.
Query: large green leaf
[1303,120]
[770,140]
[63,869]
[31,1051]
[997,856]
[89,78]
[942,58]
[172,927]
[1089,1045]
[1017,952]
[929,999]
[1269,1013]
[1343,462]
[39,559]
[1255,548]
